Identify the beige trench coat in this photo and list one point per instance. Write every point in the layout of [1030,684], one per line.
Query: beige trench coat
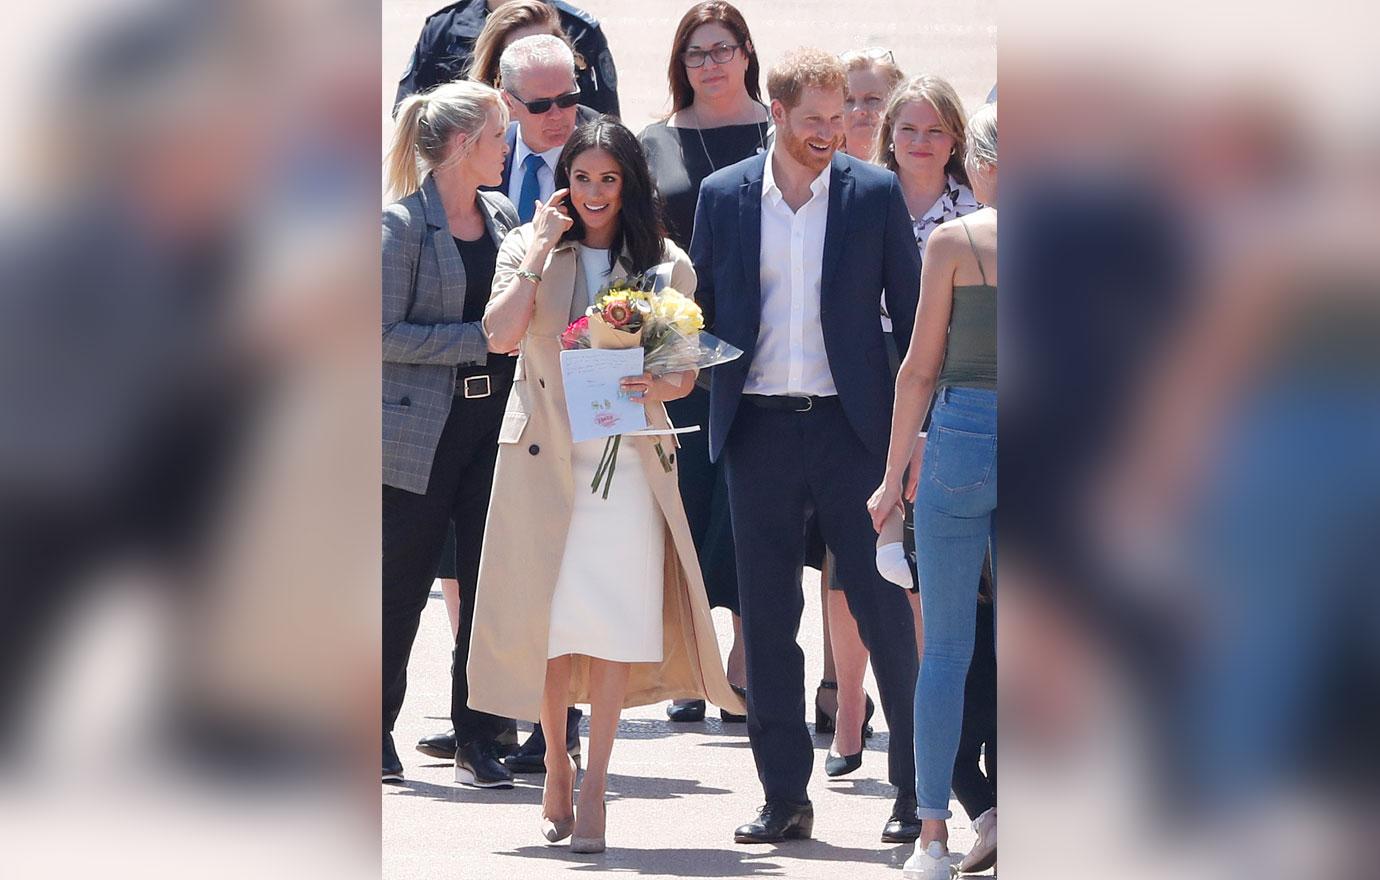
[529,515]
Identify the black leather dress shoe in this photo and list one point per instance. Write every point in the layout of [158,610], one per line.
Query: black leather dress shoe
[438,745]
[728,717]
[903,826]
[777,821]
[531,755]
[392,767]
[476,765]
[688,711]
[841,765]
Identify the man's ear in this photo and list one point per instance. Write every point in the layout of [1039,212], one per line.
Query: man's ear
[778,111]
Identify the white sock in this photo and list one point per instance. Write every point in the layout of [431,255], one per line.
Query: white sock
[891,562]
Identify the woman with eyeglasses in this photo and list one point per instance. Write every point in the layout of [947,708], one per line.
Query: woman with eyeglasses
[717,118]
[872,75]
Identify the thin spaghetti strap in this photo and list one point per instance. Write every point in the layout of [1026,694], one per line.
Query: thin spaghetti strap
[974,247]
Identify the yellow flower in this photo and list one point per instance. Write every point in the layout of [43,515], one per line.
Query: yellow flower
[679,311]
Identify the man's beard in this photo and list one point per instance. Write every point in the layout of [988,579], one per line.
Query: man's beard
[797,149]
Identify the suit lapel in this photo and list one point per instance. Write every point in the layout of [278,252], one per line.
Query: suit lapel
[494,222]
[750,233]
[836,226]
[447,254]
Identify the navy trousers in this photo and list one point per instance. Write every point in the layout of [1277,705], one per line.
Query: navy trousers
[781,466]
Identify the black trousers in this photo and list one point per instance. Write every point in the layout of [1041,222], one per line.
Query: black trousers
[782,466]
[414,531]
[976,791]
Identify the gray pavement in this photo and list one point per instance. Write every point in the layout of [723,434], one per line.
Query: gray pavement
[675,791]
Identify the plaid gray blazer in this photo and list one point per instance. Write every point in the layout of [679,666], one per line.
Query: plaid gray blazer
[423,340]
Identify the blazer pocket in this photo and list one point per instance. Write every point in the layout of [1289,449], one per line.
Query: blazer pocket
[513,425]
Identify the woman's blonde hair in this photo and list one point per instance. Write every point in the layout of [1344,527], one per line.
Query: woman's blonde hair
[426,124]
[883,60]
[941,96]
[982,137]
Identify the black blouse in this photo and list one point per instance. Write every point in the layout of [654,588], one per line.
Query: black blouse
[680,161]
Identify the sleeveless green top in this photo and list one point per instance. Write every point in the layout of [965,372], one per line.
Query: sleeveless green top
[970,356]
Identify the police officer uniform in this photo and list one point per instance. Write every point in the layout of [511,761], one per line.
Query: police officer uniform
[446,46]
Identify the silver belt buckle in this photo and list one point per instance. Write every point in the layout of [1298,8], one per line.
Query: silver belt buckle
[477,387]
[809,405]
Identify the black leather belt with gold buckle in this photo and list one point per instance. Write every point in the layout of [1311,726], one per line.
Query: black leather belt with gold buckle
[475,387]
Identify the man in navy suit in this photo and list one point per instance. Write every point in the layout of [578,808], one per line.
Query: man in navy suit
[793,249]
[538,76]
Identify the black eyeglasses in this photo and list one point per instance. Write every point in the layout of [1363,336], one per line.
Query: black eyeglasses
[722,54]
[540,106]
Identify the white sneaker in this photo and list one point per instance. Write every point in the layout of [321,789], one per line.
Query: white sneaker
[984,852]
[932,863]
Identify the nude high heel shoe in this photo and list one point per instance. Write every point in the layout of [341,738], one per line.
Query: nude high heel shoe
[556,830]
[591,844]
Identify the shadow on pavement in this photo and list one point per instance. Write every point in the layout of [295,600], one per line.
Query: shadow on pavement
[527,790]
[729,861]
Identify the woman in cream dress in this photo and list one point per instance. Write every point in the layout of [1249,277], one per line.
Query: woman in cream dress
[584,599]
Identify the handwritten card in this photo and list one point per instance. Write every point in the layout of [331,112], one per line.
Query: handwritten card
[597,406]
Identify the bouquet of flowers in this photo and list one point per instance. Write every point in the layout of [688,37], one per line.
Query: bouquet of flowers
[665,323]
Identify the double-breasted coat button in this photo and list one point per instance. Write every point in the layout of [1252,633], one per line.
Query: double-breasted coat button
[534,449]
[406,401]
[671,459]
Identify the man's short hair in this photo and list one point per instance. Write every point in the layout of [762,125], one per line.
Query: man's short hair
[538,50]
[802,68]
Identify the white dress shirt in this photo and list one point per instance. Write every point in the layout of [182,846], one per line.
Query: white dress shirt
[546,175]
[790,356]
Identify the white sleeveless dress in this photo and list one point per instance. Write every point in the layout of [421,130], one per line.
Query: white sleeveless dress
[607,601]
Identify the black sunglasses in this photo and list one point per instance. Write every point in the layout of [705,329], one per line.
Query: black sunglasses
[722,54]
[540,106]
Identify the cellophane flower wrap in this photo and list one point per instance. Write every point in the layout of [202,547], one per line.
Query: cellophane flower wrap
[666,323]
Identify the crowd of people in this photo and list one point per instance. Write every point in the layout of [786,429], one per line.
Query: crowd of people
[842,233]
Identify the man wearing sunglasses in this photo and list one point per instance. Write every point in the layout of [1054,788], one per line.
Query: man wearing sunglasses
[537,75]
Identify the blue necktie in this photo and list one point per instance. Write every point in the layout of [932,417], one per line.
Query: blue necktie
[531,190]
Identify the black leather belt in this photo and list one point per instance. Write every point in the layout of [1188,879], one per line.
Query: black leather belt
[474,387]
[785,402]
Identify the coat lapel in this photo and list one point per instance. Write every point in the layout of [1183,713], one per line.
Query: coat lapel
[750,234]
[494,221]
[447,254]
[836,227]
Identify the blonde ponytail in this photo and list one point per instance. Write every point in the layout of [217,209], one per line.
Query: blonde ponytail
[402,154]
[426,125]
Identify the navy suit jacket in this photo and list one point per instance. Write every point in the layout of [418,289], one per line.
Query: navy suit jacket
[869,247]
[582,115]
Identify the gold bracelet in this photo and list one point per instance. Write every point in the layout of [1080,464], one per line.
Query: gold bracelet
[523,273]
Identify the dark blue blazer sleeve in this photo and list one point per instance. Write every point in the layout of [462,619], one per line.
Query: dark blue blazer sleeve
[901,268]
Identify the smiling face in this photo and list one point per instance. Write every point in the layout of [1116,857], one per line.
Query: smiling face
[921,144]
[486,158]
[596,192]
[549,130]
[812,130]
[715,80]
[866,98]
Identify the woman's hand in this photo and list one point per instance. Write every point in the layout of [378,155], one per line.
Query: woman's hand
[883,501]
[549,222]
[917,458]
[658,389]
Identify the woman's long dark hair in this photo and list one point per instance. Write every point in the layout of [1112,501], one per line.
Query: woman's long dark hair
[641,229]
[711,12]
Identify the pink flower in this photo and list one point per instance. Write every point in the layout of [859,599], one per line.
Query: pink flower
[577,331]
[618,313]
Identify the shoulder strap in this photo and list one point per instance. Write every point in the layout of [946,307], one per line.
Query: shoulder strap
[968,233]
